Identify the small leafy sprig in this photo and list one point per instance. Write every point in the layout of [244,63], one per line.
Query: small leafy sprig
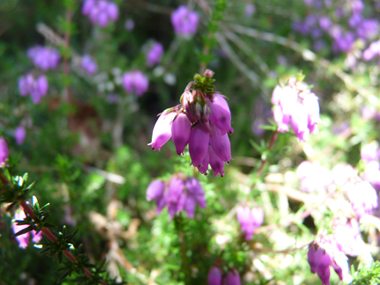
[14,191]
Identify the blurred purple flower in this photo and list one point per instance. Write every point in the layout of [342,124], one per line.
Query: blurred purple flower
[129,25]
[3,151]
[249,10]
[318,45]
[368,112]
[249,219]
[367,29]
[371,174]
[44,58]
[88,64]
[325,23]
[357,6]
[370,152]
[153,56]
[20,134]
[23,239]
[100,12]
[342,174]
[214,276]
[184,21]
[233,277]
[343,42]
[135,82]
[363,197]
[314,177]
[348,238]
[295,104]
[178,194]
[36,88]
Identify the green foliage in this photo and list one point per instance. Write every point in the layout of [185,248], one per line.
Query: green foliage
[367,275]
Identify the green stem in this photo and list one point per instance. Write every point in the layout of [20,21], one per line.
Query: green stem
[178,221]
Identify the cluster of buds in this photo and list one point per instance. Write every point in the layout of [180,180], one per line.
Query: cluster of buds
[202,121]
[362,196]
[24,239]
[44,58]
[179,193]
[249,219]
[184,21]
[322,255]
[88,64]
[100,12]
[36,88]
[135,82]
[20,134]
[215,277]
[154,54]
[314,177]
[296,105]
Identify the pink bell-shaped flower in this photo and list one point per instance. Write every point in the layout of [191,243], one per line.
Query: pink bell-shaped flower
[214,276]
[221,145]
[162,131]
[233,277]
[155,190]
[181,129]
[220,114]
[3,151]
[198,144]
[20,134]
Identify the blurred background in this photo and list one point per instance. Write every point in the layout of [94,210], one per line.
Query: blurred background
[86,130]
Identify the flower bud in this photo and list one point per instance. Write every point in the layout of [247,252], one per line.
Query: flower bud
[162,130]
[214,276]
[233,277]
[20,135]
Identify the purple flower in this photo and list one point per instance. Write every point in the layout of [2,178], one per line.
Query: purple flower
[88,64]
[372,174]
[20,134]
[202,122]
[129,25]
[100,12]
[322,255]
[363,197]
[154,54]
[184,21]
[296,105]
[180,193]
[357,6]
[249,219]
[314,177]
[233,277]
[343,42]
[371,52]
[342,174]
[23,239]
[44,58]
[325,23]
[162,131]
[367,29]
[36,88]
[135,82]
[214,276]
[249,10]
[348,238]
[3,151]
[370,152]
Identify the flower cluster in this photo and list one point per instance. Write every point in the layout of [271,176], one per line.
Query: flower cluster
[154,54]
[184,21]
[314,177]
[3,151]
[297,105]
[23,239]
[201,121]
[179,193]
[249,219]
[322,255]
[20,134]
[44,58]
[36,88]
[100,12]
[135,82]
[362,196]
[88,64]
[215,277]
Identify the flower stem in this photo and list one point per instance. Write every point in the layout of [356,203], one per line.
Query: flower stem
[271,143]
[178,221]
